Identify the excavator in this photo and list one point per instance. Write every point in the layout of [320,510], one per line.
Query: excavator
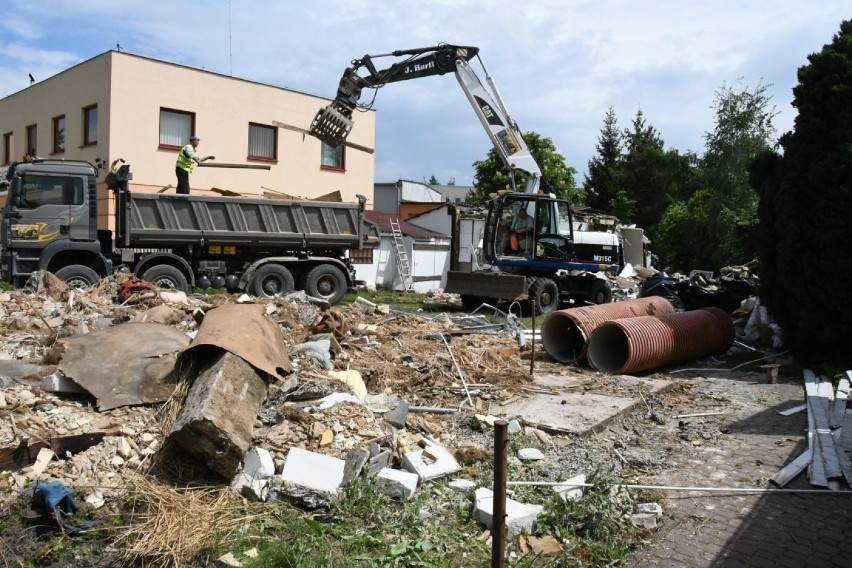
[530,247]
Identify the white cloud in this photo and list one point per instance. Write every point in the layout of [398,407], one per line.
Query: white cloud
[559,64]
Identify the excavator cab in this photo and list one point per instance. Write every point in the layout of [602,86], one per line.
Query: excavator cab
[522,228]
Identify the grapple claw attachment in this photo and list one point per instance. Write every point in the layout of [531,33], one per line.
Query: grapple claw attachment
[331,126]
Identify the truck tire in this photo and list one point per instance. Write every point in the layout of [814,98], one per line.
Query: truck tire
[600,292]
[326,281]
[78,276]
[272,280]
[545,295]
[166,276]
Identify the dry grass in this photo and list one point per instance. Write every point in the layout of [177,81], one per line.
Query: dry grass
[175,527]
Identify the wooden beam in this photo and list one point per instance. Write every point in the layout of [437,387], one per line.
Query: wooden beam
[239,166]
[163,189]
[225,192]
[303,131]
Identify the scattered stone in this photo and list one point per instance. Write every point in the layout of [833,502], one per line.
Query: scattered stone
[530,454]
[520,517]
[432,461]
[545,546]
[356,459]
[397,483]
[572,488]
[397,416]
[644,520]
[463,485]
[653,508]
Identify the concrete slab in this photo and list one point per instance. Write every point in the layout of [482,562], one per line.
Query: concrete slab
[312,470]
[574,412]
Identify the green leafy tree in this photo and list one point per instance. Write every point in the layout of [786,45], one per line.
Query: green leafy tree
[806,205]
[433,180]
[743,130]
[492,175]
[600,180]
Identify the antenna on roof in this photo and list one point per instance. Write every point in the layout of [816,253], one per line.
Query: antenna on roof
[230,53]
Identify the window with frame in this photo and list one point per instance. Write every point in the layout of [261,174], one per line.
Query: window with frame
[38,190]
[332,158]
[59,134]
[32,140]
[262,142]
[176,126]
[90,125]
[361,256]
[7,148]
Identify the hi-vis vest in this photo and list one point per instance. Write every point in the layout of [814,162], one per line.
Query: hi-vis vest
[184,163]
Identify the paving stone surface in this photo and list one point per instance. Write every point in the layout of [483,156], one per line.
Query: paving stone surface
[703,529]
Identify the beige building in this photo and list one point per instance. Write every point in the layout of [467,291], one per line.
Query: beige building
[118,105]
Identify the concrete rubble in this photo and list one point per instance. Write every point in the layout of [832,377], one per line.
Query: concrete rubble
[285,398]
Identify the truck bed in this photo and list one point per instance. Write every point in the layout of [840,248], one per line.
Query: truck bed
[158,220]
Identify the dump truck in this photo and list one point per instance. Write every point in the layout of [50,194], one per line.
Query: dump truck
[266,247]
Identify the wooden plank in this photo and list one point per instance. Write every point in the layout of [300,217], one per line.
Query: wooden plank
[164,189]
[791,470]
[225,192]
[236,166]
[305,131]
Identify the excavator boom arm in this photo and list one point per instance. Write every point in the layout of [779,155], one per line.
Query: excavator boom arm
[333,123]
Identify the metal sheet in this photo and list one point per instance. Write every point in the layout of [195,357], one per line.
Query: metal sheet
[125,365]
[247,332]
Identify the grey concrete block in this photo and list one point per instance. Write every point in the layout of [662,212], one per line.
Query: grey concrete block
[397,416]
[397,483]
[432,461]
[520,517]
[217,418]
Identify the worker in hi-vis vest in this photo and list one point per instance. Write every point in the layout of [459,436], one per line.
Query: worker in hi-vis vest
[186,162]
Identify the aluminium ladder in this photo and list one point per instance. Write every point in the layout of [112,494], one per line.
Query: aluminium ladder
[403,267]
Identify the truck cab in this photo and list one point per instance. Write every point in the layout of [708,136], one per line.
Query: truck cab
[50,220]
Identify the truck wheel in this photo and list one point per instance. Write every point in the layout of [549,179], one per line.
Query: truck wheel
[327,282]
[545,295]
[271,280]
[600,292]
[165,276]
[78,276]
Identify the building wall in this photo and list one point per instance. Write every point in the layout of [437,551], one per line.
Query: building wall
[130,91]
[65,93]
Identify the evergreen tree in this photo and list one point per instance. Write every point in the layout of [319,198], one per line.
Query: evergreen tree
[649,178]
[807,199]
[600,184]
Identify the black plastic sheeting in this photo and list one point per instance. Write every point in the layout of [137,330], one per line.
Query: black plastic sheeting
[698,291]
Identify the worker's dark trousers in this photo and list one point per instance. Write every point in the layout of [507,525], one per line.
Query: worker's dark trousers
[183,181]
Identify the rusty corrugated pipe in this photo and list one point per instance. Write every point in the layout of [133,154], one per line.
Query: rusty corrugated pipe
[631,345]
[565,333]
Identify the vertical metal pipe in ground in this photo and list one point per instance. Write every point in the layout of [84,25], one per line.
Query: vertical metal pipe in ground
[565,333]
[631,345]
[498,511]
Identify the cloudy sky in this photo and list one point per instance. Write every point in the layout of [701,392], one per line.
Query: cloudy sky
[559,64]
